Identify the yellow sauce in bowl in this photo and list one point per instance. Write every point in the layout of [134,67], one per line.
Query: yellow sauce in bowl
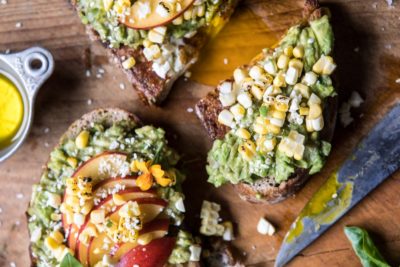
[11,111]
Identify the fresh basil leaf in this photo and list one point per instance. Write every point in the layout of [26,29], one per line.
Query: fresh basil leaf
[364,247]
[70,261]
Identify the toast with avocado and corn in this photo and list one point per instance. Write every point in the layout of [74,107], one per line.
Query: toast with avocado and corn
[274,119]
[154,41]
[110,195]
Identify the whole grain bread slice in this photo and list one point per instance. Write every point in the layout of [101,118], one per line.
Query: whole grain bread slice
[107,117]
[266,190]
[151,88]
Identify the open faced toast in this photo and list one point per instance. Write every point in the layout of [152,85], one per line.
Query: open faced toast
[262,119]
[153,55]
[109,192]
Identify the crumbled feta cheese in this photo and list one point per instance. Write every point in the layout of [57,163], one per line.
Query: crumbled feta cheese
[195,252]
[179,205]
[161,69]
[18,24]
[144,9]
[355,99]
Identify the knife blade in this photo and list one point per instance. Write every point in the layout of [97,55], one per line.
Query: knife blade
[375,158]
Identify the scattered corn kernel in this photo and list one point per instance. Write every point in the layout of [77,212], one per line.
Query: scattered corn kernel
[315,111]
[239,75]
[257,92]
[82,140]
[283,61]
[225,117]
[129,63]
[243,133]
[256,72]
[304,111]
[97,216]
[118,199]
[298,51]
[238,111]
[303,89]
[288,51]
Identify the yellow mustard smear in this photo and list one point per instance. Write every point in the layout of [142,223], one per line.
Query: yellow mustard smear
[325,206]
[11,111]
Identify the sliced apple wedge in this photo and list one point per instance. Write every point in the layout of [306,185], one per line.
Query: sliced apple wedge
[154,254]
[149,207]
[147,14]
[156,229]
[105,165]
[126,182]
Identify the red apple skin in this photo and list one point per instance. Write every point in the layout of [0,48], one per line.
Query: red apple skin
[154,254]
[159,225]
[148,27]
[140,201]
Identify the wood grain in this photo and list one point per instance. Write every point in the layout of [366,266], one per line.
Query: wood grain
[367,26]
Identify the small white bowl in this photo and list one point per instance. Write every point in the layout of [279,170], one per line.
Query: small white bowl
[28,70]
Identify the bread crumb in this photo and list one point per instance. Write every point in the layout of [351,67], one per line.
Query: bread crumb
[46,130]
[12,264]
[18,24]
[89,102]
[3,2]
[20,196]
[122,86]
[357,49]
[190,110]
[88,73]
[226,61]
[398,80]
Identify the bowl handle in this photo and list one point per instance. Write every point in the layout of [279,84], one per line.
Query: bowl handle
[33,65]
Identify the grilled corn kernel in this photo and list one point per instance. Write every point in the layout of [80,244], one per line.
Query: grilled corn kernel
[51,244]
[243,133]
[147,43]
[282,62]
[296,63]
[260,128]
[97,216]
[91,230]
[87,207]
[273,129]
[303,89]
[292,75]
[73,162]
[239,75]
[314,99]
[225,117]
[309,125]
[129,209]
[118,199]
[201,11]
[310,78]
[288,51]
[329,67]
[318,123]
[298,152]
[246,155]
[57,236]
[280,106]
[298,51]
[69,216]
[108,4]
[129,63]
[315,111]
[187,15]
[279,80]
[278,114]
[178,21]
[82,139]
[72,201]
[304,111]
[250,145]
[145,239]
[257,92]
[256,72]
[244,99]
[277,122]
[238,111]
[270,67]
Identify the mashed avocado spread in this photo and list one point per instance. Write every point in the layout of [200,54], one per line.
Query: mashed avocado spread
[105,20]
[274,110]
[144,143]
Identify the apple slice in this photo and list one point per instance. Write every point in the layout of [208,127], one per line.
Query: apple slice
[147,14]
[102,166]
[127,182]
[150,208]
[156,228]
[154,254]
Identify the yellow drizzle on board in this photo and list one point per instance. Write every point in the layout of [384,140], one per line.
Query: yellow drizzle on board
[240,40]
[11,111]
[323,208]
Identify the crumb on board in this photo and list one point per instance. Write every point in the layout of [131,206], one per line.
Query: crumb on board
[190,110]
[18,24]
[89,102]
[122,86]
[88,73]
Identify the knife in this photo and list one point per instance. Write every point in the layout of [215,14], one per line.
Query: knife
[375,158]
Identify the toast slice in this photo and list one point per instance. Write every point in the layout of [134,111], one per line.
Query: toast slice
[265,188]
[153,65]
[105,127]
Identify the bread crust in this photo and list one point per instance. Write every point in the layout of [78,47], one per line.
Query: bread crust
[266,190]
[151,88]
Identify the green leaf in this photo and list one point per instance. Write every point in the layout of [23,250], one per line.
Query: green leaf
[364,247]
[264,111]
[70,261]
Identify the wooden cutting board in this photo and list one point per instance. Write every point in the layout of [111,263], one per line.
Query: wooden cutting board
[367,53]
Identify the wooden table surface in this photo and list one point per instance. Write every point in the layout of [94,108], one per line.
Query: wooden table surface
[368,56]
